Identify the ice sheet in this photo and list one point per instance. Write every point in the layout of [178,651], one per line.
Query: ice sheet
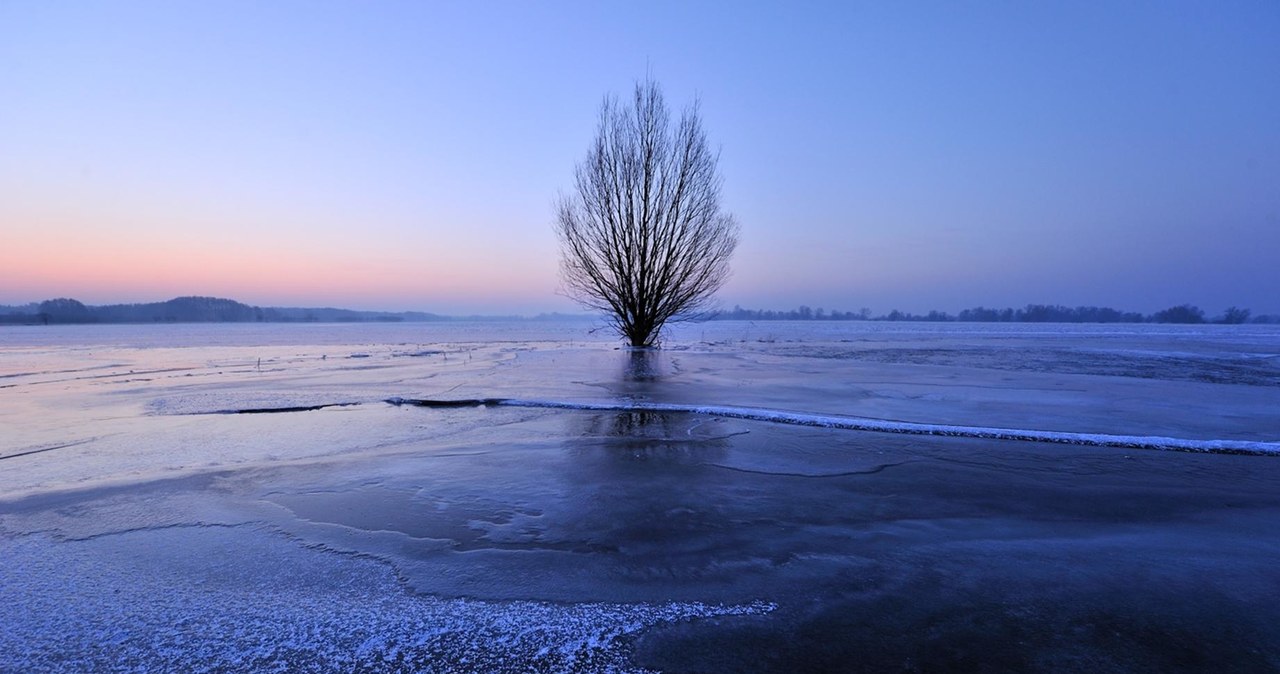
[709,506]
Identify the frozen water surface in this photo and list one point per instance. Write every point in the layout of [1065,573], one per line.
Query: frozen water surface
[245,498]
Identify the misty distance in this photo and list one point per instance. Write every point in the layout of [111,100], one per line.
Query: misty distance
[219,310]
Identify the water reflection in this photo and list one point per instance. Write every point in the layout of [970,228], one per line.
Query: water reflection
[612,437]
[643,486]
[642,365]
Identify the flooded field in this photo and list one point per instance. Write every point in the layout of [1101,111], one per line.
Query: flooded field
[528,497]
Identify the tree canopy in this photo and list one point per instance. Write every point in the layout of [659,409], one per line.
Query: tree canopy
[643,237]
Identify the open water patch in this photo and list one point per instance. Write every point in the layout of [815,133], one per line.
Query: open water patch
[39,449]
[253,403]
[277,410]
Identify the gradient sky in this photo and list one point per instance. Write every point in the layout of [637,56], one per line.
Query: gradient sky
[406,156]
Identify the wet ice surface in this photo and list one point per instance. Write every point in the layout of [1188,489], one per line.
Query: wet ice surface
[145,525]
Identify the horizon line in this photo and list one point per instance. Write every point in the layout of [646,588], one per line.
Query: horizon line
[803,311]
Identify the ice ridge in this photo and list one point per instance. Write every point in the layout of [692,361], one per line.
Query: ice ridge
[877,425]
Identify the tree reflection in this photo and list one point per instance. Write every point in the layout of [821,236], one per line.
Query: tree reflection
[649,435]
[642,365]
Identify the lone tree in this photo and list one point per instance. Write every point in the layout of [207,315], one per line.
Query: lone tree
[642,237]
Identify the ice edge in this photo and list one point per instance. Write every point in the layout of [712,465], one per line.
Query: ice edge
[877,425]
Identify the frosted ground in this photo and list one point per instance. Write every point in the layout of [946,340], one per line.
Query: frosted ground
[331,498]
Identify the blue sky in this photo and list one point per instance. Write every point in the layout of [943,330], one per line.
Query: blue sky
[406,155]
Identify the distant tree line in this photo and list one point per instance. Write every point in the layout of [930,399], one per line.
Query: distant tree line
[217,310]
[188,310]
[803,313]
[1032,313]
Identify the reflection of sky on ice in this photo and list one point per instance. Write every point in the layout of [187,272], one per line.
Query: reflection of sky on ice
[163,526]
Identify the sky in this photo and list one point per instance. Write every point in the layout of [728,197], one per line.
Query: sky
[408,155]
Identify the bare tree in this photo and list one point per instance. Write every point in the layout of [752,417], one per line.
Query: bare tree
[642,237]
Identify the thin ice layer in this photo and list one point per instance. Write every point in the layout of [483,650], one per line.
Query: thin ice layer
[213,598]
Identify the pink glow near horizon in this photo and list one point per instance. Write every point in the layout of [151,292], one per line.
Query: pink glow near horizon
[134,272]
[407,157]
